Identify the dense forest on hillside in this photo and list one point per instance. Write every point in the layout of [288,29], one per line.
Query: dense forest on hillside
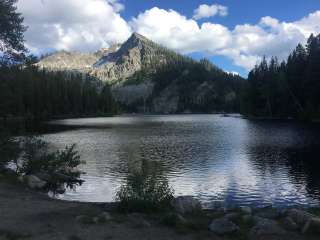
[288,89]
[26,91]
[199,86]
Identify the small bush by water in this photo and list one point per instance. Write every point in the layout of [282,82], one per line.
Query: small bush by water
[145,191]
[29,156]
[57,168]
[9,149]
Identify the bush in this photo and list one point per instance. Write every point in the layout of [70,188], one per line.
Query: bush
[9,149]
[144,191]
[57,168]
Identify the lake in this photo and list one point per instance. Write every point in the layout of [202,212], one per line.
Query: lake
[211,157]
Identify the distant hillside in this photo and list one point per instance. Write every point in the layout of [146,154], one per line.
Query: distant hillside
[147,77]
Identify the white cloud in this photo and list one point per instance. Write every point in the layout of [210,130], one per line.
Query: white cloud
[91,24]
[246,44]
[206,11]
[175,31]
[73,25]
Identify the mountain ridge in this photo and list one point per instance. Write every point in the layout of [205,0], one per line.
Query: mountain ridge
[145,76]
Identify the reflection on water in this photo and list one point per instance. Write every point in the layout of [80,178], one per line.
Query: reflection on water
[209,156]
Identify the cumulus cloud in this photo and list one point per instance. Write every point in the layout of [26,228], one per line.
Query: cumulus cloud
[206,11]
[73,25]
[175,31]
[246,44]
[88,25]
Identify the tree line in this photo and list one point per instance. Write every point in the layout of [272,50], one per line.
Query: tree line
[28,92]
[290,89]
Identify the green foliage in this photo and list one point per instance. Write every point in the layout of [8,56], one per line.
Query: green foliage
[199,86]
[286,90]
[11,30]
[144,191]
[9,149]
[58,168]
[28,91]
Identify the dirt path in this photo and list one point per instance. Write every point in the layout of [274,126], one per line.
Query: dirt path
[29,215]
[26,214]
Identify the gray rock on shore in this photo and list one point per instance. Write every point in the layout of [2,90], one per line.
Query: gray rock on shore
[265,227]
[223,226]
[186,204]
[34,182]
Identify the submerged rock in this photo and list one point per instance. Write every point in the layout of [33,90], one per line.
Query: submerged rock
[186,204]
[223,226]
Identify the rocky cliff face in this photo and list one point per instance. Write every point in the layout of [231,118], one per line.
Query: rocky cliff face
[116,63]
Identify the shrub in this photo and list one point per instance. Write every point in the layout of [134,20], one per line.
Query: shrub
[57,168]
[9,149]
[144,191]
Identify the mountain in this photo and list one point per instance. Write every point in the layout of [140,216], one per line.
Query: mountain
[146,77]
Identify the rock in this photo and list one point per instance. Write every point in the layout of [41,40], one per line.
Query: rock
[265,227]
[223,226]
[232,215]
[300,217]
[173,219]
[106,216]
[246,210]
[186,204]
[34,182]
[143,224]
[289,224]
[247,218]
[85,219]
[312,226]
[43,176]
[60,189]
[268,212]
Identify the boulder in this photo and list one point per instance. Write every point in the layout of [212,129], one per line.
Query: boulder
[104,217]
[173,219]
[186,204]
[43,176]
[60,189]
[265,227]
[312,226]
[247,218]
[300,217]
[34,182]
[223,226]
[232,215]
[246,210]
[268,212]
[289,224]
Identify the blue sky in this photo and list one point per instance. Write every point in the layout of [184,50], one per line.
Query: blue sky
[233,34]
[240,12]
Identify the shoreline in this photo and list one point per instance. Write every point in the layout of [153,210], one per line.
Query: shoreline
[29,214]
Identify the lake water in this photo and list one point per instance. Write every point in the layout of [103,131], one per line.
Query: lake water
[212,157]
